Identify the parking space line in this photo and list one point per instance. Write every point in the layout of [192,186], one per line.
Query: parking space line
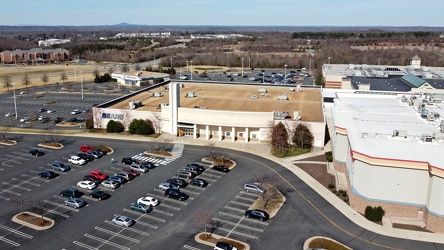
[256,221]
[146,224]
[16,231]
[36,178]
[129,229]
[9,191]
[80,244]
[52,211]
[238,233]
[144,215]
[106,242]
[191,248]
[248,193]
[240,203]
[16,186]
[116,234]
[168,206]
[9,241]
[7,165]
[1,169]
[60,205]
[192,192]
[244,198]
[237,209]
[161,212]
[239,225]
[164,198]
[28,181]
[4,198]
[210,174]
[231,215]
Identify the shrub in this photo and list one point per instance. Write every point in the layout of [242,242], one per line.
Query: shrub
[329,156]
[374,213]
[114,127]
[331,186]
[141,127]
[344,194]
[341,191]
[334,191]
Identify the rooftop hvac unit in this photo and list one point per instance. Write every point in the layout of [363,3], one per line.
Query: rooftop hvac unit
[135,104]
[299,88]
[157,94]
[254,97]
[282,97]
[427,138]
[292,89]
[438,136]
[404,98]
[190,95]
[424,113]
[296,115]
[430,116]
[262,90]
[399,133]
[162,105]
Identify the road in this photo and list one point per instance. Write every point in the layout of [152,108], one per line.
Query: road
[170,225]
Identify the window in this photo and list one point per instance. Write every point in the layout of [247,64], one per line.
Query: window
[253,136]
[227,133]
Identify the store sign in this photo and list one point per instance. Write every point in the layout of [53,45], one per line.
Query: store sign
[112,116]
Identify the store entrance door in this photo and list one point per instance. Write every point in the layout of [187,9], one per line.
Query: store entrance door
[184,131]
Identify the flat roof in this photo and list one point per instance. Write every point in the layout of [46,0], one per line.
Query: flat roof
[370,121]
[235,97]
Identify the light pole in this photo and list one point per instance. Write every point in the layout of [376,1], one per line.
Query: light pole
[242,66]
[81,82]
[328,60]
[171,60]
[249,66]
[379,60]
[191,71]
[130,69]
[75,75]
[188,70]
[285,71]
[15,102]
[309,65]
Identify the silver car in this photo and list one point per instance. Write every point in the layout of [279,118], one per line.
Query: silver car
[123,221]
[75,202]
[165,185]
[110,184]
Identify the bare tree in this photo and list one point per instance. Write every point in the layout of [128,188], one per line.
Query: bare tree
[45,79]
[204,219]
[6,81]
[97,118]
[53,135]
[20,201]
[157,121]
[213,151]
[63,77]
[125,68]
[127,118]
[137,67]
[25,80]
[4,131]
[261,176]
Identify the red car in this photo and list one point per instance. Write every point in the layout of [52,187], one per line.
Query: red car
[86,148]
[132,172]
[99,175]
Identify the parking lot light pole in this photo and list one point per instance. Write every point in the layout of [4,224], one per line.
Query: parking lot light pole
[242,66]
[285,71]
[171,60]
[191,71]
[188,70]
[309,65]
[249,65]
[75,75]
[15,101]
[81,83]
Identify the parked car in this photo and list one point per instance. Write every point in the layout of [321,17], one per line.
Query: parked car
[149,165]
[185,174]
[86,148]
[24,119]
[99,175]
[44,120]
[75,112]
[125,175]
[99,194]
[86,156]
[199,182]
[193,170]
[124,221]
[48,174]
[74,202]
[23,92]
[139,167]
[220,245]
[71,193]
[58,166]
[74,159]
[176,194]
[36,152]
[165,185]
[86,184]
[57,120]
[195,167]
[119,179]
[110,184]
[221,168]
[10,114]
[41,110]
[94,154]
[147,200]
[103,152]
[178,182]
[141,207]
[254,188]
[41,117]
[92,178]
[128,160]
[257,214]
[131,171]
[49,111]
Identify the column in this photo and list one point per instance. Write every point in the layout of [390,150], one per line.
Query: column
[207,133]
[233,134]
[220,133]
[194,130]
[246,134]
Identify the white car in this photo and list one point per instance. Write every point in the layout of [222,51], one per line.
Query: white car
[50,111]
[41,117]
[75,112]
[151,201]
[74,159]
[10,114]
[86,184]
[165,186]
[24,119]
[23,92]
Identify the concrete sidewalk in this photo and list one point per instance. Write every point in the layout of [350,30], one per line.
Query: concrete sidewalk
[263,150]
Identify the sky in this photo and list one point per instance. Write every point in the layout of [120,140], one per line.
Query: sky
[224,12]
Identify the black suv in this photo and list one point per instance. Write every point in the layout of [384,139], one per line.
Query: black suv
[149,165]
[48,174]
[36,152]
[199,182]
[128,160]
[221,168]
[86,156]
[71,193]
[257,214]
[176,194]
[178,182]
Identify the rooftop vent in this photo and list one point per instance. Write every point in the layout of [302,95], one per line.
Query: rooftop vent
[427,138]
[157,94]
[399,133]
[190,95]
[282,97]
[262,90]
[254,97]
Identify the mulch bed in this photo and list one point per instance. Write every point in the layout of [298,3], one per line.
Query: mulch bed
[317,171]
[37,221]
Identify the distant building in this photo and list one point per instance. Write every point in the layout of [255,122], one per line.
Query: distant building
[35,55]
[137,79]
[135,35]
[218,36]
[49,42]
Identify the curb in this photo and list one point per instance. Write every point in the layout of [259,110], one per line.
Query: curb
[216,236]
[26,224]
[309,240]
